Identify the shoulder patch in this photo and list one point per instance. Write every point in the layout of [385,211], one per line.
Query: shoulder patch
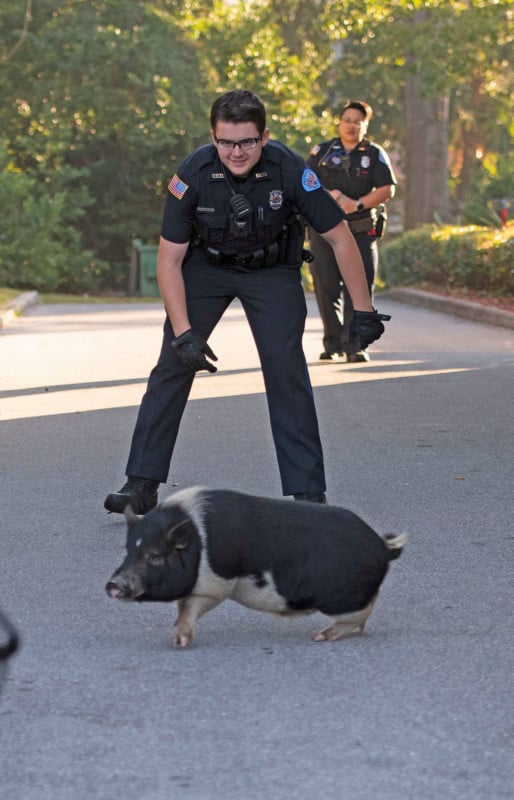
[315,150]
[383,157]
[177,187]
[310,180]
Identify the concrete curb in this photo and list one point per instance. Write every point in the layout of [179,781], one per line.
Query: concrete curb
[448,305]
[17,306]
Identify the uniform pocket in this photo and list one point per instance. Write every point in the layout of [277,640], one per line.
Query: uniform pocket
[210,225]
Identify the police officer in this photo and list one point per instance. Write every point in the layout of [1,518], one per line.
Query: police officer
[359,176]
[231,230]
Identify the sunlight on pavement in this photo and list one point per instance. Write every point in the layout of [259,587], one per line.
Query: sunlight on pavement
[41,402]
[83,359]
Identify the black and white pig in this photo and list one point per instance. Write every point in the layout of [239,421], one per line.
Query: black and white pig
[202,546]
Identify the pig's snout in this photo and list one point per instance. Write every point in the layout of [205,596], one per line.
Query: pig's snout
[114,590]
[121,588]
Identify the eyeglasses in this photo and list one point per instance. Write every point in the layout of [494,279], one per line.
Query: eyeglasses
[358,122]
[244,144]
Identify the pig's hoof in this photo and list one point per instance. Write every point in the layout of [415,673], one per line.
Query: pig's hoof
[328,636]
[337,631]
[182,639]
[321,636]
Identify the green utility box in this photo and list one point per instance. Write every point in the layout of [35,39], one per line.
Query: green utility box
[146,257]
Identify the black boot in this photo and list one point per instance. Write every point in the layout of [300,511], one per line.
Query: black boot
[355,358]
[140,493]
[326,355]
[311,497]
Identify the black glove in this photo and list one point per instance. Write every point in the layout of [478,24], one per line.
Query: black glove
[192,349]
[367,326]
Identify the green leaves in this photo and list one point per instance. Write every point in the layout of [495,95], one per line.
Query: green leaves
[103,99]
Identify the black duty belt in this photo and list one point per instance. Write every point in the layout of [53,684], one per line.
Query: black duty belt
[245,262]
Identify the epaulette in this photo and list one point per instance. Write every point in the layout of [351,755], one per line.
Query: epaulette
[206,154]
[276,151]
[322,146]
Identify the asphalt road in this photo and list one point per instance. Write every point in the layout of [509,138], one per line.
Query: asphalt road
[97,705]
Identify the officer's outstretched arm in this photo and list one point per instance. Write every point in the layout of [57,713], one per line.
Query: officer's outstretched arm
[171,283]
[350,265]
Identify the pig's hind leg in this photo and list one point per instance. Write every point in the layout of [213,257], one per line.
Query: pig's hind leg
[345,625]
[189,610]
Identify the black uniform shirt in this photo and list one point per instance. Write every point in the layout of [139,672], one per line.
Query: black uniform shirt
[356,173]
[198,200]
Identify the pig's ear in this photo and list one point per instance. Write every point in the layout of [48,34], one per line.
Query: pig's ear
[180,535]
[130,515]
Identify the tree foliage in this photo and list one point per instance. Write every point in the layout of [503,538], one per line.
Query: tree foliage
[101,98]
[428,65]
[40,245]
[101,105]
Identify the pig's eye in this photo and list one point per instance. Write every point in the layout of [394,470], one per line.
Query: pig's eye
[154,558]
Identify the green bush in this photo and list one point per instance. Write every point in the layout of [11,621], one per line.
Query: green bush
[473,258]
[40,246]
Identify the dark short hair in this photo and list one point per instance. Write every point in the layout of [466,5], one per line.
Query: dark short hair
[239,105]
[361,106]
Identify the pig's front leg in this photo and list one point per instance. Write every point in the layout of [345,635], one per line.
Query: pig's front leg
[189,610]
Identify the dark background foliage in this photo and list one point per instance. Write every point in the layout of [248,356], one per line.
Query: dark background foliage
[101,100]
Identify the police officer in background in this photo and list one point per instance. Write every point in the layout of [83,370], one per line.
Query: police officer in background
[231,230]
[359,176]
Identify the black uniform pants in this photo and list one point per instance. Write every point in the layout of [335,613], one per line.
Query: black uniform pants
[334,302]
[274,303]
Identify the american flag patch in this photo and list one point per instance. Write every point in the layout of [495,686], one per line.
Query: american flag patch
[177,187]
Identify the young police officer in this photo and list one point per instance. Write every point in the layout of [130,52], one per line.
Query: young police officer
[360,177]
[230,230]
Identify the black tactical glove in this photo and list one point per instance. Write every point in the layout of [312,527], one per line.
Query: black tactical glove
[367,326]
[192,349]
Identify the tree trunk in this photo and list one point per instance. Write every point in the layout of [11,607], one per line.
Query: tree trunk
[426,172]
[471,141]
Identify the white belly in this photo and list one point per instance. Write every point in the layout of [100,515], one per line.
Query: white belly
[262,598]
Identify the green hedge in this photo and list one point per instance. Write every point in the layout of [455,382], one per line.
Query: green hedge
[474,258]
[40,245]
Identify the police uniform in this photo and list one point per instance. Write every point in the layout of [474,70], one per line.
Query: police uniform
[355,174]
[255,257]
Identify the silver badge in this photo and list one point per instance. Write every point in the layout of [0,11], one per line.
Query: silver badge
[365,162]
[276,198]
